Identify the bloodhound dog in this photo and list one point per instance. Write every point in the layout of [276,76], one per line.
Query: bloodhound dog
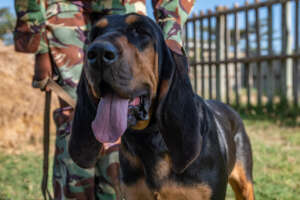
[174,144]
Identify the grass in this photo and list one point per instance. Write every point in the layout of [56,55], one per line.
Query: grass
[20,176]
[276,149]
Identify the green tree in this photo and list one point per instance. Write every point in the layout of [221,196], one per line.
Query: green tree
[7,24]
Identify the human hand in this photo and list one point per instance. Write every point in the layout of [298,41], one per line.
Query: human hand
[42,71]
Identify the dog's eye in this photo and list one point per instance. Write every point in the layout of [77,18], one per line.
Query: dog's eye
[137,31]
[134,32]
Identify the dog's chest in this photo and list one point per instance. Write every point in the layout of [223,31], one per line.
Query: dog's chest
[169,191]
[159,178]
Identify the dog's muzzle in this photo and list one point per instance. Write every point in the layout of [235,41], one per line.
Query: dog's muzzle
[102,53]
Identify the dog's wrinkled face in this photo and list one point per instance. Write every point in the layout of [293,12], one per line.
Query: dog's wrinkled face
[122,69]
[134,77]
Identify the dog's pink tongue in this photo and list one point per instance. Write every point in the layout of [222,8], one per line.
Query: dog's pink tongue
[111,119]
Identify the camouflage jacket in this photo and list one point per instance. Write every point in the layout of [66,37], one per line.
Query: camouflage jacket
[32,15]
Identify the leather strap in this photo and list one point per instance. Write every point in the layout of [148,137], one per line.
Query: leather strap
[46,139]
[57,89]
[53,86]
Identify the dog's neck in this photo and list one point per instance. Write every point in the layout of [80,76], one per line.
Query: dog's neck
[148,139]
[148,148]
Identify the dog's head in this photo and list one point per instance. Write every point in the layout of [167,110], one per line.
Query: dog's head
[130,68]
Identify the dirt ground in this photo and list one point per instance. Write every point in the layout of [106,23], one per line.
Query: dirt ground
[21,106]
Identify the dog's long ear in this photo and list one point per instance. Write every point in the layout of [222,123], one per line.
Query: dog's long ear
[177,111]
[83,147]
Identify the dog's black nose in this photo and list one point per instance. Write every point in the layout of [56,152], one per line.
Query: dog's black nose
[105,52]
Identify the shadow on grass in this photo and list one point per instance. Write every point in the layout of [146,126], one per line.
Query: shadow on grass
[283,114]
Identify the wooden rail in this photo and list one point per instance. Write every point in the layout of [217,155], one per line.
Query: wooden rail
[233,58]
[240,9]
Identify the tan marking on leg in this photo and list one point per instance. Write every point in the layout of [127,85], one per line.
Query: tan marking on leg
[163,168]
[102,23]
[137,191]
[173,191]
[131,19]
[133,160]
[242,187]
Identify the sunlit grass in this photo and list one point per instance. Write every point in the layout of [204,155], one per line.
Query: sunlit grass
[276,150]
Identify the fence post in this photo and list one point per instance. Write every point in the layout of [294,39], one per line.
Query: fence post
[258,64]
[202,55]
[247,51]
[286,65]
[270,82]
[210,75]
[226,50]
[236,52]
[195,54]
[296,62]
[220,34]
[289,65]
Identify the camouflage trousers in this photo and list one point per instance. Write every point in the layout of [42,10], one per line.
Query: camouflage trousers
[73,182]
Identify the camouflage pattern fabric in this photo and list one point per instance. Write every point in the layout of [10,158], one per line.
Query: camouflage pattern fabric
[72,182]
[171,15]
[59,27]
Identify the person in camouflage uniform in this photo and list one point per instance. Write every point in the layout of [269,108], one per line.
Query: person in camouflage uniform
[55,30]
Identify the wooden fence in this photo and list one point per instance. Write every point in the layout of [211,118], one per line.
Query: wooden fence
[247,54]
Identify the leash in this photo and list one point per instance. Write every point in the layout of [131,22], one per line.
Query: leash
[53,86]
[59,91]
[46,139]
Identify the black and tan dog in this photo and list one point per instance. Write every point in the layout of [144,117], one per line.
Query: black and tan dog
[175,145]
